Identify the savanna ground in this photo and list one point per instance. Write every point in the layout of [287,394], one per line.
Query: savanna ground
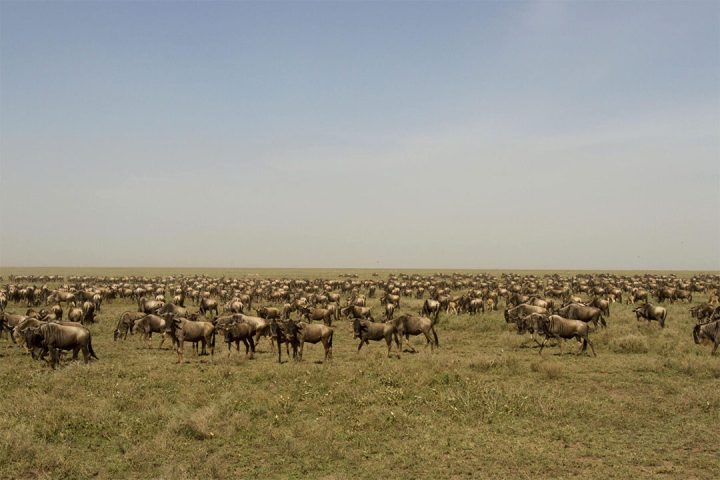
[481,406]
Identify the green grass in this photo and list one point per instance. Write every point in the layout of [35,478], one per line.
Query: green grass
[483,405]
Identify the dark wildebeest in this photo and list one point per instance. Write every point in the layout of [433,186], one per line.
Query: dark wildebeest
[576,311]
[366,330]
[407,325]
[312,333]
[560,328]
[651,312]
[281,334]
[708,332]
[238,331]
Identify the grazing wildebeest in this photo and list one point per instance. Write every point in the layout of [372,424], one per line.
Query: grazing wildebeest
[311,333]
[577,311]
[366,330]
[708,332]
[182,329]
[651,312]
[126,323]
[431,308]
[56,337]
[407,325]
[558,327]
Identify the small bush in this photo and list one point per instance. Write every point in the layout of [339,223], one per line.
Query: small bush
[629,344]
[548,368]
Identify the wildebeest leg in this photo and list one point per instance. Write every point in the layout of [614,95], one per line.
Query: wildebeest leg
[162,339]
[252,347]
[180,349]
[542,346]
[429,340]
[361,344]
[714,350]
[86,355]
[388,340]
[75,353]
[592,347]
[302,346]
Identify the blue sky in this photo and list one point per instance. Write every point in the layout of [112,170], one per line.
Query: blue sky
[391,134]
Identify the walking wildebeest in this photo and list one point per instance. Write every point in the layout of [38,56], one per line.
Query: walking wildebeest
[366,330]
[651,312]
[708,332]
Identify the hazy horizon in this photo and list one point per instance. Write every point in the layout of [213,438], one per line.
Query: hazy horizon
[468,135]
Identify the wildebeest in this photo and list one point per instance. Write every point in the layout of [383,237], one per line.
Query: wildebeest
[240,331]
[126,323]
[312,333]
[431,308]
[651,312]
[269,312]
[709,332]
[149,324]
[407,325]
[208,305]
[56,337]
[182,329]
[149,306]
[281,334]
[366,330]
[513,314]
[317,314]
[353,311]
[576,311]
[558,327]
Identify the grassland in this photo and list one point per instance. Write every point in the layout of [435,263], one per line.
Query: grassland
[482,406]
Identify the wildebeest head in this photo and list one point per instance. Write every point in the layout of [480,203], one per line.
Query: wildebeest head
[358,327]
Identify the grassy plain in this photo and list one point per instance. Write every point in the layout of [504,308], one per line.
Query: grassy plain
[482,406]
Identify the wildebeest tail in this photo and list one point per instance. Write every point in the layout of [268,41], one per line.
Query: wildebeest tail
[90,349]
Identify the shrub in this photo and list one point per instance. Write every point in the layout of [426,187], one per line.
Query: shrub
[629,344]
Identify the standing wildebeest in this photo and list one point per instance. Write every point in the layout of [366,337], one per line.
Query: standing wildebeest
[389,311]
[576,311]
[317,314]
[149,324]
[651,312]
[269,312]
[603,305]
[431,307]
[281,334]
[311,333]
[261,326]
[57,337]
[558,327]
[176,310]
[366,330]
[88,309]
[708,332]
[75,314]
[149,306]
[407,325]
[353,311]
[208,305]
[238,331]
[126,323]
[513,314]
[181,329]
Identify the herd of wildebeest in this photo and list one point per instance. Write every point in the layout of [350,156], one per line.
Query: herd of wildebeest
[197,309]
